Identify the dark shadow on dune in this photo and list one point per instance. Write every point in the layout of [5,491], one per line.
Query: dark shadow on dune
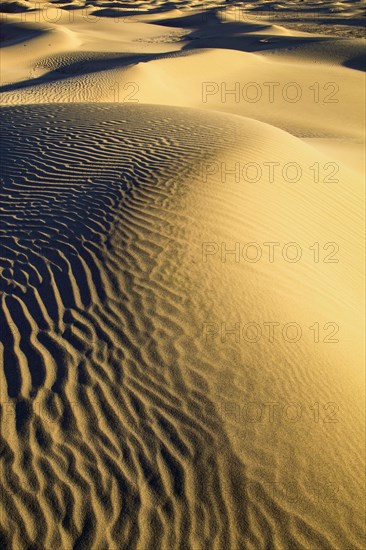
[14,7]
[195,20]
[209,30]
[120,10]
[250,43]
[80,67]
[116,13]
[85,67]
[358,63]
[11,33]
[71,7]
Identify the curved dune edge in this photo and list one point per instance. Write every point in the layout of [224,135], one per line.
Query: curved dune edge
[171,57]
[120,422]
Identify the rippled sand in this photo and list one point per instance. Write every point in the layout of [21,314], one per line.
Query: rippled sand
[182,276]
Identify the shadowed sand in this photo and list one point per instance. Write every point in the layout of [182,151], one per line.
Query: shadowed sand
[128,420]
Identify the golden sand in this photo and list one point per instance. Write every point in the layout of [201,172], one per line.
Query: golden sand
[182,275]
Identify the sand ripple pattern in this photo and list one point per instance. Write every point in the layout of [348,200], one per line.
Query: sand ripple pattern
[105,443]
[111,434]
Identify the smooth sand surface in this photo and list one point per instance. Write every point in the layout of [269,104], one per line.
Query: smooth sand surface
[182,275]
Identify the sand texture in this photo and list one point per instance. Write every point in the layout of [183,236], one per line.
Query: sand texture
[182,275]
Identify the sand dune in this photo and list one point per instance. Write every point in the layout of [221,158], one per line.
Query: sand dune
[182,276]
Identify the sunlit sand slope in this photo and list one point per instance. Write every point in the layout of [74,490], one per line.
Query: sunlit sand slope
[120,425]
